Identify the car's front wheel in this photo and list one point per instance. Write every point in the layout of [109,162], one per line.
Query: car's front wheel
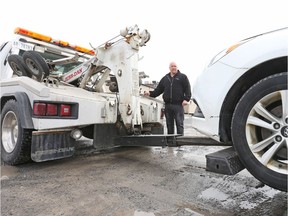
[260,130]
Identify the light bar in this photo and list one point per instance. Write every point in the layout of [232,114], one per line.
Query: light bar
[82,49]
[61,43]
[32,34]
[49,39]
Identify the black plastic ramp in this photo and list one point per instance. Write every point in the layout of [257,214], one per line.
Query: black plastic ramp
[225,161]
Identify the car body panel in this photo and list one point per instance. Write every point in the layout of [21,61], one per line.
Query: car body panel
[212,86]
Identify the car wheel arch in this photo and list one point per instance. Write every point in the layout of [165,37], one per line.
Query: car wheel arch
[249,78]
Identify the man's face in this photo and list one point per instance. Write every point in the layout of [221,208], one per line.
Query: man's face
[173,68]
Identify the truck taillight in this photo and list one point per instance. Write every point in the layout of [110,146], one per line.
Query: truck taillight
[43,109]
[60,110]
[39,109]
[51,110]
[65,110]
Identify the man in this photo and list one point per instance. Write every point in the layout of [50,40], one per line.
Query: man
[176,90]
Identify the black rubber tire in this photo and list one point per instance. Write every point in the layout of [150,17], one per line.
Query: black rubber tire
[249,128]
[36,64]
[15,140]
[18,66]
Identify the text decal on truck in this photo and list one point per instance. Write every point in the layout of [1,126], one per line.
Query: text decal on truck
[70,76]
[23,46]
[75,73]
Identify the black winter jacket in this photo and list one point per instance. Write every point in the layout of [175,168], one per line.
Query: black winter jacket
[175,89]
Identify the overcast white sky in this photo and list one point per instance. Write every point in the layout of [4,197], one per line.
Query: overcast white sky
[185,31]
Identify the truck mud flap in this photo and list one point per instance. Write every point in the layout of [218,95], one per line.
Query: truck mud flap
[51,146]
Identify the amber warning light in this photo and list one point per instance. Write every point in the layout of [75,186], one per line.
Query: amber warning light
[49,39]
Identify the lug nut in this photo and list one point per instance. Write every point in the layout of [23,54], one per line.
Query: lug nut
[276,125]
[278,138]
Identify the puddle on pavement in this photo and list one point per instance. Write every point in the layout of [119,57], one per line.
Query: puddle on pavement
[8,171]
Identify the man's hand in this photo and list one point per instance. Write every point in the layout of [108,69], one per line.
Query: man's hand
[146,93]
[184,103]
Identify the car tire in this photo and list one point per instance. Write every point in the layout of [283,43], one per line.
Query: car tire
[18,66]
[36,65]
[259,130]
[15,140]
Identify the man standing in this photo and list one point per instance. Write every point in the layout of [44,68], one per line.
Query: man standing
[176,90]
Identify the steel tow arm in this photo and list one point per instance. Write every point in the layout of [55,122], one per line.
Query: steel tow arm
[121,57]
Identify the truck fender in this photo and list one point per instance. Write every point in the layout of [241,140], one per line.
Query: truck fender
[23,101]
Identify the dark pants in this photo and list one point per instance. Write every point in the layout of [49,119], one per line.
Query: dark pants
[174,113]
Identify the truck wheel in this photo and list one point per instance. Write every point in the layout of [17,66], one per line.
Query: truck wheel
[36,64]
[260,130]
[15,140]
[18,66]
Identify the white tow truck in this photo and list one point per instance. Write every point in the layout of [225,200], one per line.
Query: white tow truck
[56,92]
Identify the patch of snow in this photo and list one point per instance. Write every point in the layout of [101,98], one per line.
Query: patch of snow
[247,205]
[213,193]
[142,213]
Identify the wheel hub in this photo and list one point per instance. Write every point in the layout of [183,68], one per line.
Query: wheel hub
[284,131]
[9,131]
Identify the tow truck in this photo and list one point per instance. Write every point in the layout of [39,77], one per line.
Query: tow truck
[53,93]
[41,113]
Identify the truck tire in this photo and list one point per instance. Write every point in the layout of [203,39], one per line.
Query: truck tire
[36,64]
[260,130]
[15,140]
[18,66]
